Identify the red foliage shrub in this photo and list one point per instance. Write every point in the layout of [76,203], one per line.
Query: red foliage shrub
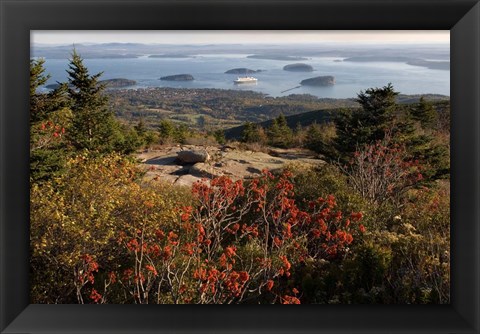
[235,241]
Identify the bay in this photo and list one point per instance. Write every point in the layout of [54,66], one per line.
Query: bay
[209,72]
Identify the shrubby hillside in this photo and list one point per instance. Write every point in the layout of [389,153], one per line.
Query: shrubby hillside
[370,225]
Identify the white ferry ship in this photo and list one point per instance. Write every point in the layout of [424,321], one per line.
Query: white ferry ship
[242,80]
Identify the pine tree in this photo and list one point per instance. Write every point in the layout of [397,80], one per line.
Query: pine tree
[37,100]
[425,113]
[279,134]
[140,128]
[313,138]
[93,126]
[166,131]
[368,124]
[220,136]
[249,133]
[48,116]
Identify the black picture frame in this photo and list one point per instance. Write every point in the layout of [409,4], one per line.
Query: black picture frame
[18,17]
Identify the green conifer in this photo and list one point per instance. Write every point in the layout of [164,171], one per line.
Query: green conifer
[93,125]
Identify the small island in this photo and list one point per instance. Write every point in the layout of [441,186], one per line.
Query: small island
[321,81]
[298,67]
[242,70]
[178,77]
[118,83]
[276,57]
[433,65]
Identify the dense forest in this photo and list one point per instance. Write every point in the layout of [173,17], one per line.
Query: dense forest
[370,225]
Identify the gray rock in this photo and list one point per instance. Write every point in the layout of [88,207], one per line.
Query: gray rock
[204,170]
[193,156]
[187,180]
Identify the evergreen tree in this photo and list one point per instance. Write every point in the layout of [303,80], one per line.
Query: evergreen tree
[48,119]
[93,126]
[166,131]
[298,135]
[369,123]
[425,113]
[37,79]
[279,134]
[140,128]
[313,138]
[249,133]
[219,136]
[181,133]
[128,141]
[42,104]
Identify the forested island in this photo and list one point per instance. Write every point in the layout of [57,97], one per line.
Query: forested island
[118,83]
[298,67]
[242,70]
[178,77]
[321,81]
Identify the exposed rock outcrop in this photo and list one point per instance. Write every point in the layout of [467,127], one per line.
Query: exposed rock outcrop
[163,165]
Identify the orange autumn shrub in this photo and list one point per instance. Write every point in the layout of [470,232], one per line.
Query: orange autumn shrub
[238,242]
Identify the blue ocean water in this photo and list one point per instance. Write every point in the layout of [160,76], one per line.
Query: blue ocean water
[209,72]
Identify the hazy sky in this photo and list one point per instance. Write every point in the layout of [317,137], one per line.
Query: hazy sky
[240,36]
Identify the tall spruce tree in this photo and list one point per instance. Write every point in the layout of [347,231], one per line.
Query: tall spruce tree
[369,123]
[250,133]
[37,79]
[39,102]
[424,112]
[380,116]
[93,125]
[49,113]
[279,133]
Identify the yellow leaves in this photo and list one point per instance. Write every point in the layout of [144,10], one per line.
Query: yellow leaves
[43,243]
[58,215]
[86,209]
[148,204]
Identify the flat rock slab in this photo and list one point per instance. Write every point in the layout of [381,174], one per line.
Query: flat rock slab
[186,180]
[163,164]
[201,169]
